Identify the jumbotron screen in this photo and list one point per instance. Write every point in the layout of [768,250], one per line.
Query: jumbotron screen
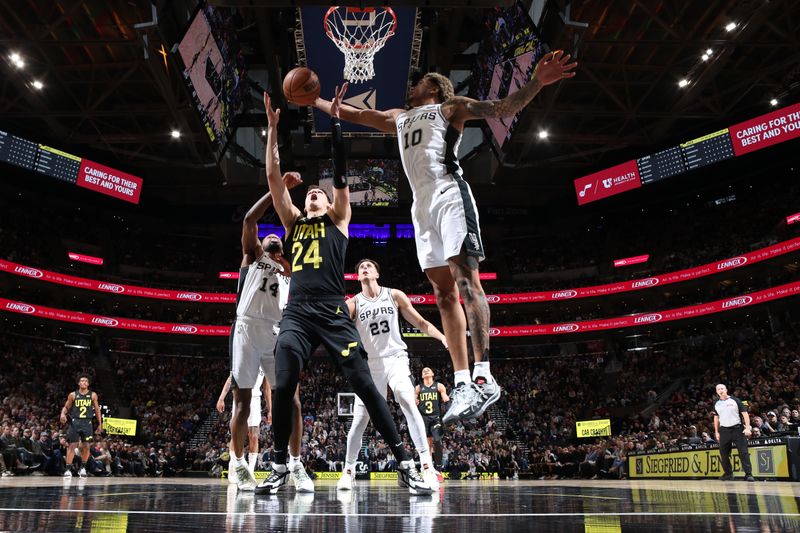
[214,71]
[373,182]
[506,60]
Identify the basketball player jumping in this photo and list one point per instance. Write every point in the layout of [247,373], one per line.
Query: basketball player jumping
[316,312]
[263,289]
[430,397]
[375,311]
[449,246]
[81,406]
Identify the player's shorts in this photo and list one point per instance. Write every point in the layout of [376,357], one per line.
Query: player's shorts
[445,221]
[254,418]
[310,321]
[253,347]
[433,427]
[80,431]
[392,372]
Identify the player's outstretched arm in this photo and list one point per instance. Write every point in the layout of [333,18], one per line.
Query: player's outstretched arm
[414,318]
[551,68]
[251,249]
[341,210]
[416,393]
[287,211]
[371,118]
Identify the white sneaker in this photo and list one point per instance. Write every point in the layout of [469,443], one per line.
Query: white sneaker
[68,473]
[431,477]
[231,476]
[244,478]
[82,472]
[300,479]
[408,476]
[462,400]
[347,481]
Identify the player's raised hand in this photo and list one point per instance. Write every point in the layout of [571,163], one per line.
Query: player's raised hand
[337,100]
[273,115]
[554,67]
[292,179]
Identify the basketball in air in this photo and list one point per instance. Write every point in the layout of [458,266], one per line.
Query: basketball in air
[301,86]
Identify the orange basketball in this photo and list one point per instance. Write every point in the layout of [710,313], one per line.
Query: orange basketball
[301,86]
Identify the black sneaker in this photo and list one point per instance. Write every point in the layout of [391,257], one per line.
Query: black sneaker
[726,477]
[275,481]
[749,477]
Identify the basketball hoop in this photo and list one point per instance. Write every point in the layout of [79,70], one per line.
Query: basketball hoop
[359,33]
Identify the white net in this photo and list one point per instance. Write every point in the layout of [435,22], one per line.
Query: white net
[359,34]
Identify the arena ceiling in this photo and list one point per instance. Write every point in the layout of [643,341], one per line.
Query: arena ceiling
[108,92]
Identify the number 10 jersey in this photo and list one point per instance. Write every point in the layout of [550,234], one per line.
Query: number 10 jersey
[378,324]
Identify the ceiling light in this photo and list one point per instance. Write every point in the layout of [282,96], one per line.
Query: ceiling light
[730,27]
[683,83]
[773,102]
[709,51]
[543,134]
[263,132]
[17,60]
[38,85]
[704,57]
[175,134]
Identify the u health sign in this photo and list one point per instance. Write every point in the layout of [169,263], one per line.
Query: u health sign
[107,180]
[607,182]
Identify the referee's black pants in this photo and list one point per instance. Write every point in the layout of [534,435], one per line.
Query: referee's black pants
[728,436]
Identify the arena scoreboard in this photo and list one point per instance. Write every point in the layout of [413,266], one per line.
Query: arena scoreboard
[68,167]
[708,149]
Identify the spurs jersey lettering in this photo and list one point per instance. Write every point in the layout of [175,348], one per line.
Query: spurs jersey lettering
[82,408]
[317,249]
[429,399]
[262,290]
[428,147]
[378,324]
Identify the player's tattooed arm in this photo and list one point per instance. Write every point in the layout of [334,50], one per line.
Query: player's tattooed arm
[551,68]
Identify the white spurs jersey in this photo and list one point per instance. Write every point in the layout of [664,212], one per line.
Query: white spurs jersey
[263,290]
[378,324]
[428,147]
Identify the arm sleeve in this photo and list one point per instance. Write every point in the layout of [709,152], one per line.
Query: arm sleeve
[338,155]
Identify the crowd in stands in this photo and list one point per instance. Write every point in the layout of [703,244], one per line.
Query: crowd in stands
[659,399]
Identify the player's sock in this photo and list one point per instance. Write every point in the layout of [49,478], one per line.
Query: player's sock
[425,460]
[251,461]
[293,461]
[461,376]
[481,373]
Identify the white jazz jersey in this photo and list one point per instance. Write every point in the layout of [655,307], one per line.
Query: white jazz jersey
[428,148]
[263,290]
[378,324]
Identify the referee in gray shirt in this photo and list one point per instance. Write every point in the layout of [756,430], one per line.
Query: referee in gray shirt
[728,428]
